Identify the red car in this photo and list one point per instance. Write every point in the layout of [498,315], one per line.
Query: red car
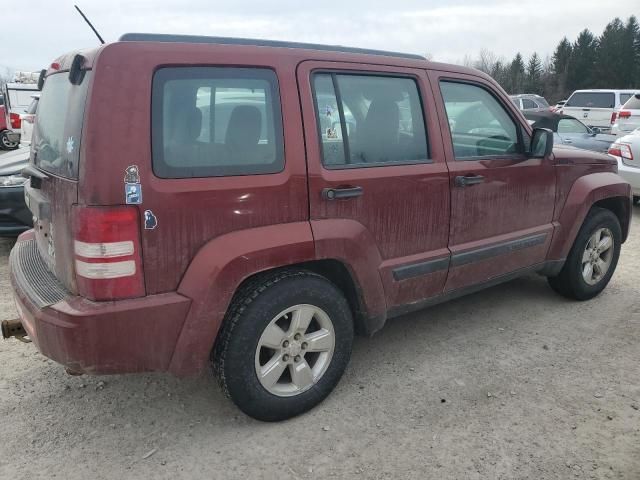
[274,198]
[8,140]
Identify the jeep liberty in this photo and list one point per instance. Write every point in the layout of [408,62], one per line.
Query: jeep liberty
[254,203]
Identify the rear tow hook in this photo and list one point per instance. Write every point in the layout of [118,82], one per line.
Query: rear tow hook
[14,328]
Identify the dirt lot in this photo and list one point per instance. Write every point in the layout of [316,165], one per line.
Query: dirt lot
[511,383]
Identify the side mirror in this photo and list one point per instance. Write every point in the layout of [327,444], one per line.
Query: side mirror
[596,130]
[541,143]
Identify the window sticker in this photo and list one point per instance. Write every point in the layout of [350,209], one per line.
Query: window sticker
[70,145]
[150,220]
[131,174]
[133,193]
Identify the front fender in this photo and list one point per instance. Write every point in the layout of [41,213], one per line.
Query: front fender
[585,192]
[216,272]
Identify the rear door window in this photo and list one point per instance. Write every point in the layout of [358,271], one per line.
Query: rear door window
[215,121]
[369,120]
[528,104]
[592,100]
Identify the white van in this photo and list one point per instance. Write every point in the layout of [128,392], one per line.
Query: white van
[597,108]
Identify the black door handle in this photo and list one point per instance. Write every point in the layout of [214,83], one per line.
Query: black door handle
[465,181]
[343,192]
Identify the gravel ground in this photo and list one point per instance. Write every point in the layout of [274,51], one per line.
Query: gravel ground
[510,383]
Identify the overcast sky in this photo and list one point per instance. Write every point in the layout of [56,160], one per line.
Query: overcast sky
[34,32]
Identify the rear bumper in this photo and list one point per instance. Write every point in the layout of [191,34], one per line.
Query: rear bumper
[135,335]
[15,217]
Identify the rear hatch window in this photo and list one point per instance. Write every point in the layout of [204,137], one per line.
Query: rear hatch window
[592,100]
[59,125]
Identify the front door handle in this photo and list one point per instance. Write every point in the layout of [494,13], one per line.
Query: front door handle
[467,180]
[341,192]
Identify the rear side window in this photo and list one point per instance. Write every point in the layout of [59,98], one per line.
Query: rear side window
[215,121]
[528,104]
[592,100]
[479,124]
[633,103]
[624,97]
[58,131]
[571,125]
[369,120]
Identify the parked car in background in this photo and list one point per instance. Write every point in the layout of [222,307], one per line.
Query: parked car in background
[27,120]
[15,217]
[17,98]
[628,118]
[264,243]
[571,131]
[7,137]
[626,150]
[598,107]
[529,102]
[558,106]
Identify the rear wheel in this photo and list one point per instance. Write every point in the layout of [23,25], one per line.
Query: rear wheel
[5,143]
[284,345]
[593,257]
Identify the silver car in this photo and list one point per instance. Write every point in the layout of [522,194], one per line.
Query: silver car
[627,151]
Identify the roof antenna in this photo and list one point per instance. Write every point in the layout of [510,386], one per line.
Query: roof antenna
[89,23]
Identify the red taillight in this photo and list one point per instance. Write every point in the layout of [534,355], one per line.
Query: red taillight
[613,117]
[621,150]
[55,66]
[14,118]
[624,114]
[108,255]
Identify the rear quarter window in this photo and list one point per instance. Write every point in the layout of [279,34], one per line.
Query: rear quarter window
[592,100]
[633,103]
[216,121]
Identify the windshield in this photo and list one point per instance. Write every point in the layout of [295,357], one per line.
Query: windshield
[59,125]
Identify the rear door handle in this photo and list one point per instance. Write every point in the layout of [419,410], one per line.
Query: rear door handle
[467,180]
[341,192]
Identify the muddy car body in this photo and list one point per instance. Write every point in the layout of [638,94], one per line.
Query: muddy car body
[263,243]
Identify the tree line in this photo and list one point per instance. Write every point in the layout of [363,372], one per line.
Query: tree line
[611,60]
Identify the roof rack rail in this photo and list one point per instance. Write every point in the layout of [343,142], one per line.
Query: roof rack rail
[159,37]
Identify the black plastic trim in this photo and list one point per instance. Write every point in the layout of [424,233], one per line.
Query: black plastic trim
[483,253]
[157,37]
[422,268]
[460,292]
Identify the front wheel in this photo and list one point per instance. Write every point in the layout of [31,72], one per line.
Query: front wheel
[284,345]
[593,257]
[5,143]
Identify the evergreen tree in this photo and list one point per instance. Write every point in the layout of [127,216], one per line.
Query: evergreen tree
[534,75]
[611,70]
[631,53]
[560,68]
[517,74]
[581,73]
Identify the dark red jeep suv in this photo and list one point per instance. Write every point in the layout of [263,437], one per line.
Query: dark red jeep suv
[255,203]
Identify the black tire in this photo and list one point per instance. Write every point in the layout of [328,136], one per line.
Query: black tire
[570,282]
[251,311]
[5,144]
